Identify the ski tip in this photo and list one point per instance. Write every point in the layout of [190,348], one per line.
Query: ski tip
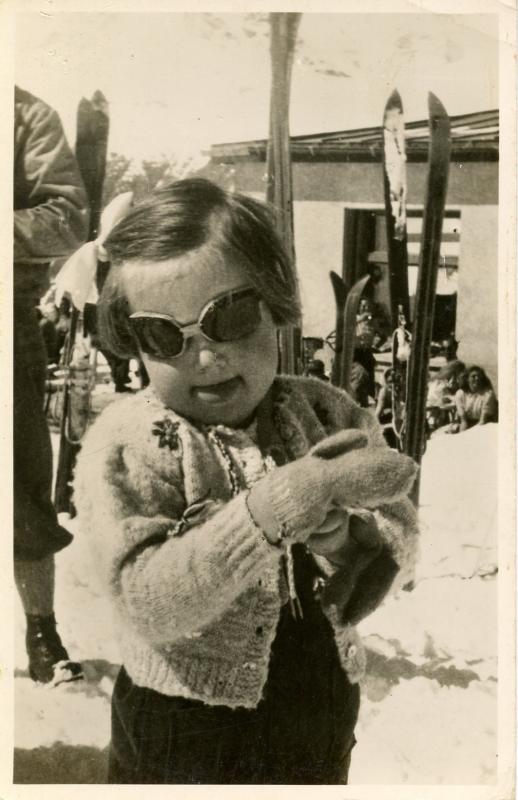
[394,101]
[435,107]
[339,288]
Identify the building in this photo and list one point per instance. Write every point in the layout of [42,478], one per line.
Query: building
[338,216]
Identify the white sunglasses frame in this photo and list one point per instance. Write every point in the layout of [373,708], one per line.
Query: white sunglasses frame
[191,329]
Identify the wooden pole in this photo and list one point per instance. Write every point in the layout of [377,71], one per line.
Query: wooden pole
[283,34]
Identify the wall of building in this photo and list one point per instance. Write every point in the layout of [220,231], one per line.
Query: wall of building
[477,302]
[469,182]
[318,247]
[323,190]
[319,242]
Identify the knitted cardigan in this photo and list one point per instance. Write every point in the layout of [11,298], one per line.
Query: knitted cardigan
[195,586]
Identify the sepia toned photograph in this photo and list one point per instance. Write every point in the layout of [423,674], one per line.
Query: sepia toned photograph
[263,393]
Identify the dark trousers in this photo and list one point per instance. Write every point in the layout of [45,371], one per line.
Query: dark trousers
[302,731]
[36,530]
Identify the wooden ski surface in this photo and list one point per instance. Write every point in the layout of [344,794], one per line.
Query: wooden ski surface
[435,200]
[283,35]
[90,150]
[340,295]
[395,191]
[349,331]
[347,303]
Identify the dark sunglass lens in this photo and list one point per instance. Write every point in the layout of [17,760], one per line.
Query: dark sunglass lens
[158,337]
[232,318]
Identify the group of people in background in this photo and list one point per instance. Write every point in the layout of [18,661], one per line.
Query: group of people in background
[459,396]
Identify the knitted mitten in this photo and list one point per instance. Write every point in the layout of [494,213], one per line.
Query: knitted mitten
[342,470]
[365,576]
[365,478]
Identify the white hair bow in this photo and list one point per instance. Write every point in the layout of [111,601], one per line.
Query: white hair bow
[77,275]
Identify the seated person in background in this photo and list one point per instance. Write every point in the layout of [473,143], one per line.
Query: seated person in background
[384,400]
[363,384]
[449,347]
[380,344]
[475,401]
[440,404]
[316,369]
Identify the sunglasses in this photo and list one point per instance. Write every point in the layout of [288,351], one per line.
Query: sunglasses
[226,318]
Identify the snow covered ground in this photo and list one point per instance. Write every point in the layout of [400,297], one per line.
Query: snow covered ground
[429,711]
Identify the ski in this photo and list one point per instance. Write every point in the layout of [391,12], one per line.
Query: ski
[283,35]
[346,302]
[91,147]
[395,192]
[435,200]
[340,295]
[90,150]
[349,331]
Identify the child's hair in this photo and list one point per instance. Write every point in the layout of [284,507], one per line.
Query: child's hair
[188,215]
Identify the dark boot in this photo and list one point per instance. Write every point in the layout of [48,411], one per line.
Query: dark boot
[48,659]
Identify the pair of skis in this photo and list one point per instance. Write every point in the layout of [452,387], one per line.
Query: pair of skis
[411,375]
[410,351]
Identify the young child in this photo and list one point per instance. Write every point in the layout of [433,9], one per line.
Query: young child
[241,520]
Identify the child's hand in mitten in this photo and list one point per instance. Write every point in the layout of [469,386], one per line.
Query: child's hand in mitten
[295,499]
[331,534]
[340,470]
[366,477]
[366,573]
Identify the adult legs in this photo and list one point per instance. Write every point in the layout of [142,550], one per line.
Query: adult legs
[35,584]
[37,533]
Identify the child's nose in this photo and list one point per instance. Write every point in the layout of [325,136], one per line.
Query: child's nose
[205,353]
[209,358]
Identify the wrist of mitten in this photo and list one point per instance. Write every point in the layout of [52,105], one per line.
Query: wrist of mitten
[299,496]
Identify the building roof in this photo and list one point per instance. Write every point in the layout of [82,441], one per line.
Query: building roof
[475,137]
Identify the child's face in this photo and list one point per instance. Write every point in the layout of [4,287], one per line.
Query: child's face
[209,382]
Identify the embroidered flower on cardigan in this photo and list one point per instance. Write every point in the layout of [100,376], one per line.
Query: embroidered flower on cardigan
[167,431]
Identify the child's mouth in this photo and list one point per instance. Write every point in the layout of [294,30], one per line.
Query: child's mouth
[217,392]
